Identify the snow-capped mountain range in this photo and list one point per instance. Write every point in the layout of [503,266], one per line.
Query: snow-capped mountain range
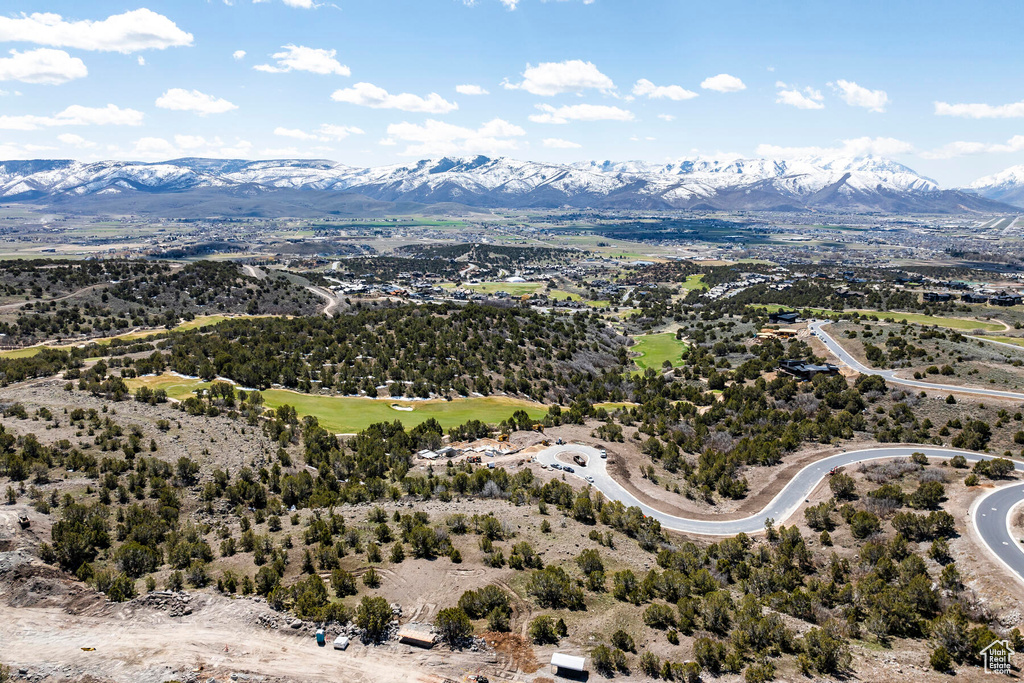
[1006,186]
[846,183]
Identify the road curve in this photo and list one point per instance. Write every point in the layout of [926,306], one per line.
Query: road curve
[890,375]
[991,522]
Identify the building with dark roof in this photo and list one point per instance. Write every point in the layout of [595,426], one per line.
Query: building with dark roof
[805,370]
[784,317]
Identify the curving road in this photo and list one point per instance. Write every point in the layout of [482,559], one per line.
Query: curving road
[991,521]
[890,375]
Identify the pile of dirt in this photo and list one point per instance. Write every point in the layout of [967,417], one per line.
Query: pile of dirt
[27,584]
[517,649]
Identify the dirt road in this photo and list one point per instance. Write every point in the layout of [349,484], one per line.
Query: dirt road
[333,301]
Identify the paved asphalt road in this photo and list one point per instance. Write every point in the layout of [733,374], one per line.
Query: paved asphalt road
[990,520]
[890,375]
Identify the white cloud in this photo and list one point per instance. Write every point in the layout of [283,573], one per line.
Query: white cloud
[301,58]
[141,60]
[555,78]
[301,4]
[644,88]
[332,132]
[558,143]
[75,115]
[189,145]
[853,147]
[808,98]
[73,140]
[858,96]
[666,117]
[723,83]
[238,55]
[470,90]
[140,29]
[437,138]
[580,112]
[11,150]
[1014,110]
[42,66]
[294,133]
[325,133]
[153,148]
[369,95]
[961,148]
[512,4]
[180,99]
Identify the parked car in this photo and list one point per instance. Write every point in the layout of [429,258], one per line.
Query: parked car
[568,469]
[556,466]
[590,479]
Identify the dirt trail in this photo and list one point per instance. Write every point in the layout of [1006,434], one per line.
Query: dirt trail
[333,302]
[7,308]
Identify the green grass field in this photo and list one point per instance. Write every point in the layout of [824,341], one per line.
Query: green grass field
[951,323]
[349,415]
[694,282]
[655,349]
[1016,341]
[562,295]
[513,288]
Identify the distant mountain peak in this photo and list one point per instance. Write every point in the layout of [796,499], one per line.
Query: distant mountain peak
[724,182]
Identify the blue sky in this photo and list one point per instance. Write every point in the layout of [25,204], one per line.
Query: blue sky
[935,84]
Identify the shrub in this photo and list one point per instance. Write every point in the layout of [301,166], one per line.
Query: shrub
[373,616]
[454,626]
[863,524]
[650,664]
[542,630]
[482,602]
[940,659]
[827,651]
[759,673]
[601,659]
[552,587]
[623,641]
[709,654]
[659,616]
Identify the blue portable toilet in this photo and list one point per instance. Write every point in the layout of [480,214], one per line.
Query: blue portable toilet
[321,637]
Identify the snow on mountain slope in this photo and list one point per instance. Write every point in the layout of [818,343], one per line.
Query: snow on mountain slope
[718,182]
[1005,186]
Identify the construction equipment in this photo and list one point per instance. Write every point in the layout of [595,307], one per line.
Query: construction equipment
[579,460]
[23,521]
[502,438]
[474,459]
[538,428]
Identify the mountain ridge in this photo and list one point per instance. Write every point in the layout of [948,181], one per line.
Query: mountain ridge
[865,183]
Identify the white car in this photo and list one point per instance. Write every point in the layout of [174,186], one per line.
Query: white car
[590,479]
